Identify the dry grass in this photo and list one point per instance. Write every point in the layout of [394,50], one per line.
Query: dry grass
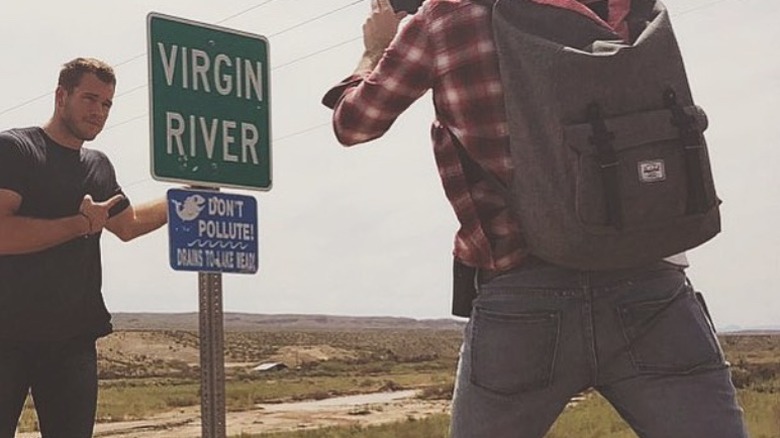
[143,373]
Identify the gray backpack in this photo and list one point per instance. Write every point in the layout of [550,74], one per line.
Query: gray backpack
[611,167]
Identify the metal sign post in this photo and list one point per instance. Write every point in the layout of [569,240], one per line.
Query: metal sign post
[212,357]
[212,232]
[209,108]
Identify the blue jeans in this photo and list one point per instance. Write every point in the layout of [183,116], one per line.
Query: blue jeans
[641,337]
[62,377]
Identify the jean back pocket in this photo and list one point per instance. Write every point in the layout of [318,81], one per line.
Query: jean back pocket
[669,335]
[513,352]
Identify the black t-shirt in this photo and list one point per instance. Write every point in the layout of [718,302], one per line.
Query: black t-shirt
[55,293]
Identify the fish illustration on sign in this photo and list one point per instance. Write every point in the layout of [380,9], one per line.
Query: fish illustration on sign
[190,208]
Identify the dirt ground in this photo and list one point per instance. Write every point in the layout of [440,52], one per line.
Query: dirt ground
[355,410]
[142,345]
[362,410]
[142,351]
[145,347]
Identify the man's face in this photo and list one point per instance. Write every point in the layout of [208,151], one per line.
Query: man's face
[83,111]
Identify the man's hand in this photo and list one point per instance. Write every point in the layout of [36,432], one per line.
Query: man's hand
[97,212]
[380,28]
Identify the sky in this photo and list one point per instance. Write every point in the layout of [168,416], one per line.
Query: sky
[367,231]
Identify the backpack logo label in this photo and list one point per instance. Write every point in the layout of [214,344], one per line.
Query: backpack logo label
[652,171]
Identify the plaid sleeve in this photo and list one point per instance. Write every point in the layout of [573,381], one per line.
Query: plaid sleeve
[367,106]
[334,95]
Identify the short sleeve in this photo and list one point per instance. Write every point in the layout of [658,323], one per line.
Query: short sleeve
[115,189]
[14,165]
[101,180]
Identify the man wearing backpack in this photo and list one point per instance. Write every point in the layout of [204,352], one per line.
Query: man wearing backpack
[554,313]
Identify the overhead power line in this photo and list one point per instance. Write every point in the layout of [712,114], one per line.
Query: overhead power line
[302,131]
[326,49]
[311,20]
[143,55]
[125,122]
[245,11]
[238,14]
[286,64]
[275,140]
[25,103]
[698,8]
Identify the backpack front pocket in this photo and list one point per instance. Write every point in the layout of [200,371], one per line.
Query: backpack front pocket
[651,176]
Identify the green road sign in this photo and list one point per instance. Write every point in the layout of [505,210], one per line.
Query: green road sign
[209,104]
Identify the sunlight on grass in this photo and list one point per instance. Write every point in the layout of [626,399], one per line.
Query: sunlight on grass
[593,418]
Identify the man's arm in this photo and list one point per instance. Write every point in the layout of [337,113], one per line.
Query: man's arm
[392,73]
[378,31]
[24,235]
[136,221]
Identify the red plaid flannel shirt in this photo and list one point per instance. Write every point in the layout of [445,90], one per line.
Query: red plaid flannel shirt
[448,47]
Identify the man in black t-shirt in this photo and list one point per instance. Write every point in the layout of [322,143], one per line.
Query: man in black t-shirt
[56,197]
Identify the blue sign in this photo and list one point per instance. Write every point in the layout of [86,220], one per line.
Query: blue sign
[213,232]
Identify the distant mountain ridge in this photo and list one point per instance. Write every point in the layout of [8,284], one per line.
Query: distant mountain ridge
[255,322]
[751,330]
[236,321]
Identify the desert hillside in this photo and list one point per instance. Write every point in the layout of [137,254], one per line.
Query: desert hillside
[253,322]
